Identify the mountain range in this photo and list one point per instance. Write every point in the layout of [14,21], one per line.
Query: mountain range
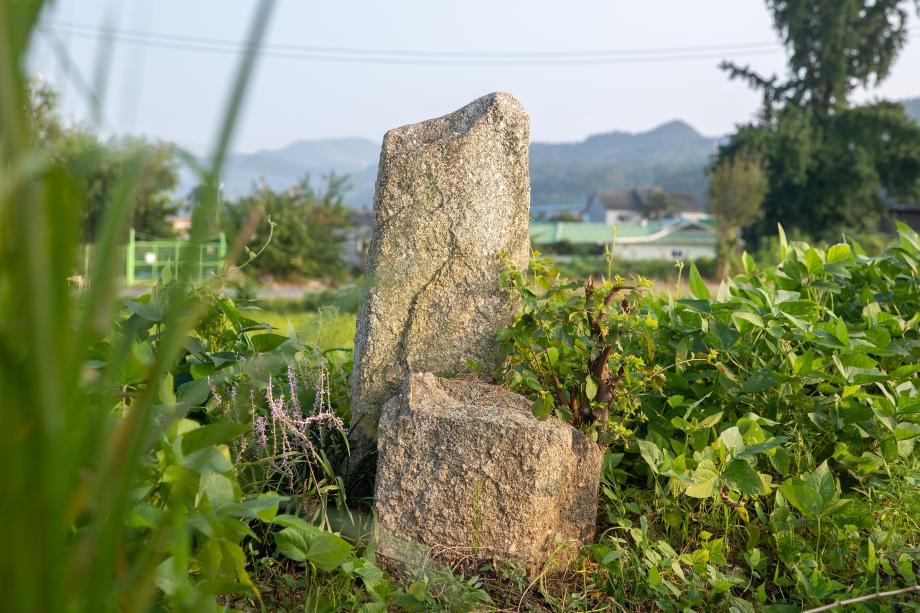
[672,156]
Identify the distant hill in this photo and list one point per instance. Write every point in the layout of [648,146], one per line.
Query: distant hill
[284,167]
[673,156]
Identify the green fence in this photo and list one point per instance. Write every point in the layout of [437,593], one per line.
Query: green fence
[144,260]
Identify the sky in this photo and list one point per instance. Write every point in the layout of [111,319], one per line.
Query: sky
[175,91]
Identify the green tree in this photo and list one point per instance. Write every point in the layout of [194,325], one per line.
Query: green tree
[100,165]
[834,47]
[310,229]
[660,205]
[736,191]
[828,164]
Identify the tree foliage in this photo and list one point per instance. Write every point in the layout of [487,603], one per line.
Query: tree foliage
[830,165]
[310,229]
[736,192]
[100,165]
[661,205]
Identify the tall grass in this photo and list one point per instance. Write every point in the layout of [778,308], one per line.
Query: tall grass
[68,463]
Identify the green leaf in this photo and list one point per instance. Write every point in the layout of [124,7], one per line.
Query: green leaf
[218,488]
[263,507]
[753,450]
[291,521]
[813,493]
[328,551]
[840,331]
[748,262]
[590,387]
[207,460]
[266,342]
[733,440]
[705,478]
[212,434]
[760,380]
[325,550]
[783,243]
[710,421]
[813,261]
[740,475]
[292,543]
[747,316]
[822,480]
[144,311]
[802,497]
[651,454]
[542,407]
[697,285]
[838,253]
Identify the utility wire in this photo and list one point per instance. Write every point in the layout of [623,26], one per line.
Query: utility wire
[71,26]
[415,57]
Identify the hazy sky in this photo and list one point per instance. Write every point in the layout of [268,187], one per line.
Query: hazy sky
[176,94]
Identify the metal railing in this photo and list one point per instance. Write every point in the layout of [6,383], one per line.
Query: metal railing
[145,260]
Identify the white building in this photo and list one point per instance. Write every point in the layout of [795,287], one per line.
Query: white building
[675,238]
[637,204]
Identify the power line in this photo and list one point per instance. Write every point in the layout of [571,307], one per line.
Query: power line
[415,57]
[71,26]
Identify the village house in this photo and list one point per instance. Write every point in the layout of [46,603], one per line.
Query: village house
[637,204]
[675,238]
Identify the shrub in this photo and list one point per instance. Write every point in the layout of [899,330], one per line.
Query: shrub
[771,421]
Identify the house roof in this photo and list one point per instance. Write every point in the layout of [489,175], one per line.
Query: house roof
[637,200]
[674,230]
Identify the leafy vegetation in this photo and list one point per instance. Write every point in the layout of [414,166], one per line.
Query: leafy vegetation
[310,227]
[99,167]
[756,433]
[736,191]
[175,451]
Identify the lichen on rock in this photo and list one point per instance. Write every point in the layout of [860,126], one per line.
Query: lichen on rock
[466,473]
[452,194]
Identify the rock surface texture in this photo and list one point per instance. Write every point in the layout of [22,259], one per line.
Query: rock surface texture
[452,194]
[465,473]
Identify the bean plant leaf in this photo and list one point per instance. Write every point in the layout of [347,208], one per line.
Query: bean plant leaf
[590,387]
[767,445]
[813,493]
[651,454]
[542,407]
[697,285]
[838,253]
[328,551]
[266,342]
[752,318]
[325,550]
[740,475]
[802,497]
[760,380]
[705,480]
[822,480]
[732,439]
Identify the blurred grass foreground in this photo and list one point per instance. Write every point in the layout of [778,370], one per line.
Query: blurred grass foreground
[75,438]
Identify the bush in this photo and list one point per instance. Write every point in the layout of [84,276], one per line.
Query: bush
[770,424]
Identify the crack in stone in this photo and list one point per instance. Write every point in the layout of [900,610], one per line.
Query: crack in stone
[402,350]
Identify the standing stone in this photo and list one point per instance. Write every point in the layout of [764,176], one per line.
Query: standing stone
[466,474]
[452,194]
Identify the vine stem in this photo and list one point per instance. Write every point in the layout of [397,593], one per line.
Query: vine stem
[866,598]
